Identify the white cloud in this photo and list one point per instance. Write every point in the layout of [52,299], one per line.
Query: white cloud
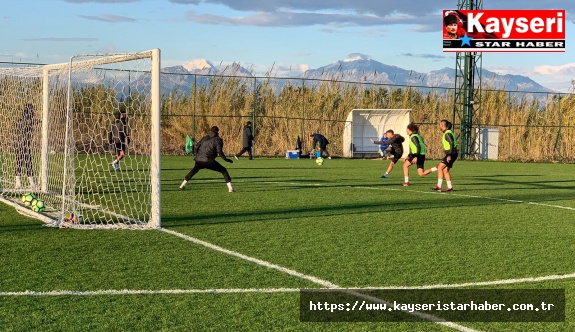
[280,70]
[510,70]
[559,78]
[562,70]
[397,9]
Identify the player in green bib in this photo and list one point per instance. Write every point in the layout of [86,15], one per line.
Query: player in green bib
[451,154]
[416,153]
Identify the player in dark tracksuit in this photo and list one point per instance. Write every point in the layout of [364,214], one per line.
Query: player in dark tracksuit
[207,149]
[395,142]
[416,153]
[248,139]
[119,137]
[319,139]
[25,127]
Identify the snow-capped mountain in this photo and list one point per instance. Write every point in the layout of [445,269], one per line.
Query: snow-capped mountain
[358,68]
[364,69]
[200,66]
[181,78]
[490,80]
[205,67]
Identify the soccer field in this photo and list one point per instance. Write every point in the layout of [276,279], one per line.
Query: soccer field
[236,261]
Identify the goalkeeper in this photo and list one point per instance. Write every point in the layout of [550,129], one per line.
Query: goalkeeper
[25,127]
[119,137]
[207,149]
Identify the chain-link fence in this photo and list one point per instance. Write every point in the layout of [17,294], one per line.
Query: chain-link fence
[532,126]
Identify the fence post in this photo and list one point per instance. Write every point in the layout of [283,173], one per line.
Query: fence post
[303,135]
[254,109]
[195,89]
[509,124]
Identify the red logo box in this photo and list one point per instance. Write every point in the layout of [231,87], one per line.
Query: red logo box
[503,30]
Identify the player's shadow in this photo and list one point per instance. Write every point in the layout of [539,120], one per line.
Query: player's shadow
[427,204]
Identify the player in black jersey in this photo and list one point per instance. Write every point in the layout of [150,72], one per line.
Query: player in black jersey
[395,142]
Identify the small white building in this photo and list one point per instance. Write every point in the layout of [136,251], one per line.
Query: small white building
[363,124]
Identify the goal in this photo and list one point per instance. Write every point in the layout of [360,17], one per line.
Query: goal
[59,128]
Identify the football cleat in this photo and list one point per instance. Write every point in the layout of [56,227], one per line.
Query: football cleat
[405,184]
[436,188]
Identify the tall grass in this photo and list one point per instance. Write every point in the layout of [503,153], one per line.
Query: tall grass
[530,129]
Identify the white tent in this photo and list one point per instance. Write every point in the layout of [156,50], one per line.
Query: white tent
[363,124]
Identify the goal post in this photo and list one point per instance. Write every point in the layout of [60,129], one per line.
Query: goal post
[84,113]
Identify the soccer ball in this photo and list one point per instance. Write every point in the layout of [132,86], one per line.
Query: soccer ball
[28,198]
[39,206]
[319,161]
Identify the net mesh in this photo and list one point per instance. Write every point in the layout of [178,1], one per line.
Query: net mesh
[62,131]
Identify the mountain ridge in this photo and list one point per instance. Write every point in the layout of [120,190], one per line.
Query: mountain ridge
[361,68]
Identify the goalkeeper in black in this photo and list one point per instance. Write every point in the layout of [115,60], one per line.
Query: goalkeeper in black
[24,129]
[395,142]
[119,137]
[207,149]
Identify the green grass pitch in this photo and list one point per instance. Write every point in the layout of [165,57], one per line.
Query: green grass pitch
[339,223]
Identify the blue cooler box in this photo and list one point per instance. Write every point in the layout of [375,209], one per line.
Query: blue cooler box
[292,154]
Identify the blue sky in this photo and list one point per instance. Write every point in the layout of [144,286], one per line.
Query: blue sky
[285,36]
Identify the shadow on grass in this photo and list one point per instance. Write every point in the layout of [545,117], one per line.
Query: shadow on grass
[206,182]
[418,204]
[243,168]
[21,227]
[499,180]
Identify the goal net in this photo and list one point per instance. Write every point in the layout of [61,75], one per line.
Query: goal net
[64,124]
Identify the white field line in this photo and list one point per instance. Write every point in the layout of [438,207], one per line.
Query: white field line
[283,290]
[313,279]
[428,192]
[481,283]
[465,195]
[148,292]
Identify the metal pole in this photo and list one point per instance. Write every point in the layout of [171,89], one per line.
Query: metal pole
[155,180]
[45,131]
[194,108]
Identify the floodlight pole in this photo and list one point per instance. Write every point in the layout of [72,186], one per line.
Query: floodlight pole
[467,100]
